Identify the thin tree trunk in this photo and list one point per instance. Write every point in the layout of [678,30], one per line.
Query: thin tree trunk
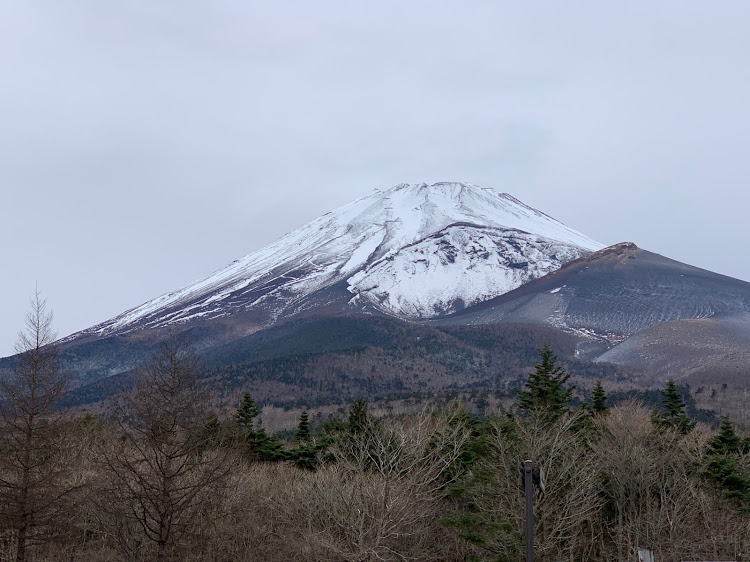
[25,516]
[21,550]
[620,556]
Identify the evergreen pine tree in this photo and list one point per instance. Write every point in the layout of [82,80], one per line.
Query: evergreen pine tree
[246,414]
[359,419]
[267,447]
[305,454]
[726,441]
[304,433]
[672,399]
[674,414]
[259,445]
[599,400]
[211,434]
[545,391]
[476,445]
[333,427]
[723,465]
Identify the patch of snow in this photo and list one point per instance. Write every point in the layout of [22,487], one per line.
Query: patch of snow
[462,266]
[393,248]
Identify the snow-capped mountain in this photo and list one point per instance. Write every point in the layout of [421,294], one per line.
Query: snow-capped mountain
[461,263]
[413,251]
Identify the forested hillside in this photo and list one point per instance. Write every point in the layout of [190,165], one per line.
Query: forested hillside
[159,477]
[321,361]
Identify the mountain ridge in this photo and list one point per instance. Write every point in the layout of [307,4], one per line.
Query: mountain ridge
[379,245]
[635,308]
[420,258]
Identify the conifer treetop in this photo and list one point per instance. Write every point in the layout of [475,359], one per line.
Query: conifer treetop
[545,390]
[599,399]
[674,410]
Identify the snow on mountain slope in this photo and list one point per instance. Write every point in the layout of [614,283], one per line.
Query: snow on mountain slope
[413,251]
[457,267]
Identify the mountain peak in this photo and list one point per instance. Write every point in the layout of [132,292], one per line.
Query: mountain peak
[452,189]
[620,251]
[412,251]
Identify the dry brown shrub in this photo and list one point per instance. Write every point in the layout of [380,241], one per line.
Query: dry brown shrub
[380,497]
[656,498]
[565,514]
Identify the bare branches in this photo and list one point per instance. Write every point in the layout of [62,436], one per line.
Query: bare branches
[158,474]
[33,473]
[381,496]
[38,383]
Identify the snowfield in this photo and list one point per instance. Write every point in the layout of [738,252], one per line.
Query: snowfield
[412,251]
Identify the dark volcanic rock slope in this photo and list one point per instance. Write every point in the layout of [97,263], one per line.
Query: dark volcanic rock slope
[609,296]
[698,351]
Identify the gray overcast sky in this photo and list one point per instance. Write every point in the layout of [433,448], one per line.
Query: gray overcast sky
[145,144]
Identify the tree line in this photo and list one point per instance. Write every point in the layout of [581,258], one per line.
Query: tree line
[160,478]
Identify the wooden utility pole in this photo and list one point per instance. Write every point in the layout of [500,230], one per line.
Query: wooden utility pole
[528,484]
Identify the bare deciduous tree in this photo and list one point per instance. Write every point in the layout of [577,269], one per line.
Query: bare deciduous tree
[565,514]
[653,492]
[33,483]
[382,496]
[160,472]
